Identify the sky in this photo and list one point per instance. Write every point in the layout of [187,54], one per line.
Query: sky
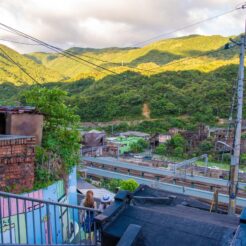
[118,23]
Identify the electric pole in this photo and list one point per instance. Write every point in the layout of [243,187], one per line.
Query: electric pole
[235,157]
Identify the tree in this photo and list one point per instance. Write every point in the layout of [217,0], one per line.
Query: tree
[130,185]
[136,148]
[177,141]
[161,149]
[139,146]
[111,184]
[143,143]
[176,146]
[206,145]
[59,151]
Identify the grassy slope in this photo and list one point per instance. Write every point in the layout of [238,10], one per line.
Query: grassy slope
[155,55]
[9,72]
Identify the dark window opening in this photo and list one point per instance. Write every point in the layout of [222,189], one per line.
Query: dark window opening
[101,141]
[2,123]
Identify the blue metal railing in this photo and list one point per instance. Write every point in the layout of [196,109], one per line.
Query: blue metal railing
[25,220]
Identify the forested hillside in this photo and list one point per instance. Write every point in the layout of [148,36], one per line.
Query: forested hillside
[156,57]
[9,72]
[189,78]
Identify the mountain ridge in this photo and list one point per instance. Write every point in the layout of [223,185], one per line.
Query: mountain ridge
[157,56]
[190,76]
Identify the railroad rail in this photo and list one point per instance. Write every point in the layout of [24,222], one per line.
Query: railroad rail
[203,194]
[106,161]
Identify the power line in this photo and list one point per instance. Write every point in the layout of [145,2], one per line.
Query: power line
[178,29]
[18,65]
[175,62]
[115,63]
[52,47]
[191,57]
[149,70]
[185,27]
[90,57]
[17,42]
[70,54]
[57,52]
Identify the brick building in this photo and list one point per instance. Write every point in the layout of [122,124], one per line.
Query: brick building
[17,159]
[20,130]
[21,121]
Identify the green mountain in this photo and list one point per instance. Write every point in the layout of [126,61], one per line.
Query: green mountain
[154,56]
[9,72]
[185,80]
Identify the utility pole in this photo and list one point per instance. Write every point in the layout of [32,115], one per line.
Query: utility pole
[235,157]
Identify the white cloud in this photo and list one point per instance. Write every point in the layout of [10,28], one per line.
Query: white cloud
[104,23]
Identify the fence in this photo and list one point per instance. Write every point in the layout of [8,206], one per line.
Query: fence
[29,221]
[203,194]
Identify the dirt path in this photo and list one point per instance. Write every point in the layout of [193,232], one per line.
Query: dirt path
[146,111]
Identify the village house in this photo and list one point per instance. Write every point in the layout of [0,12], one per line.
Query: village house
[20,130]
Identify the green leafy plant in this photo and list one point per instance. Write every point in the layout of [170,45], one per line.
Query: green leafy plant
[139,146]
[111,184]
[130,185]
[59,151]
[161,149]
[176,146]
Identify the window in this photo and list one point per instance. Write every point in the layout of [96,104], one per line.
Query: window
[2,123]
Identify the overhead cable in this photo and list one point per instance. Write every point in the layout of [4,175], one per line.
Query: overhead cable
[18,65]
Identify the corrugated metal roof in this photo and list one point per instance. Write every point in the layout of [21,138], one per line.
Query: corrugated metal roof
[11,137]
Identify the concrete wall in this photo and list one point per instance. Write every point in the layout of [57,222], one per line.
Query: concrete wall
[25,124]
[55,193]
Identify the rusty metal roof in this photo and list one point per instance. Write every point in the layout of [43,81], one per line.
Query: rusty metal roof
[18,109]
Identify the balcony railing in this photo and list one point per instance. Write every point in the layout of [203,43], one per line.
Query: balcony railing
[28,221]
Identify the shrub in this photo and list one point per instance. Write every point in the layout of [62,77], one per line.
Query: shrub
[129,185]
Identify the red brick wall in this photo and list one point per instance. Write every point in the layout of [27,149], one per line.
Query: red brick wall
[17,157]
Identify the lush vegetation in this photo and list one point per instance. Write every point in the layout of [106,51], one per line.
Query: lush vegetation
[10,73]
[176,146]
[188,82]
[153,56]
[181,91]
[178,98]
[129,185]
[59,151]
[139,146]
[177,149]
[115,184]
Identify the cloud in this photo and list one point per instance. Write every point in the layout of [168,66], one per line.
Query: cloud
[97,23]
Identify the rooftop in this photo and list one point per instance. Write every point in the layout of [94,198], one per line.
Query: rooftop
[122,139]
[18,109]
[12,137]
[171,219]
[135,134]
